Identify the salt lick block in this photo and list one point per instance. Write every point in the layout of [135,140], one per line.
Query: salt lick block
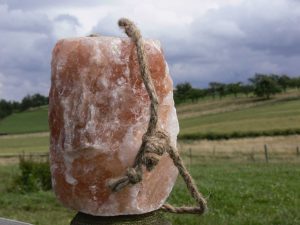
[98,113]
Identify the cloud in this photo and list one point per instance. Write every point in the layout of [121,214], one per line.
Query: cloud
[207,40]
[26,41]
[65,26]
[228,42]
[20,21]
[35,4]
[1,84]
[233,42]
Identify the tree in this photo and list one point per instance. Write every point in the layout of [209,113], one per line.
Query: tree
[25,103]
[38,100]
[182,92]
[295,82]
[213,86]
[5,108]
[264,85]
[217,88]
[284,81]
[183,88]
[234,88]
[16,106]
[247,89]
[8,107]
[33,101]
[221,90]
[194,94]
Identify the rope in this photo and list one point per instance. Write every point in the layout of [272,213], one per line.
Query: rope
[155,142]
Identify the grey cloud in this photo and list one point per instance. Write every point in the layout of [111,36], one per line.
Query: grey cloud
[19,21]
[35,4]
[68,18]
[271,27]
[228,43]
[26,41]
[233,42]
[108,26]
[24,51]
[15,87]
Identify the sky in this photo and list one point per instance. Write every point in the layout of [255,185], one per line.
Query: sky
[203,40]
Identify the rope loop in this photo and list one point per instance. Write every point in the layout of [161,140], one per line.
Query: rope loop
[155,142]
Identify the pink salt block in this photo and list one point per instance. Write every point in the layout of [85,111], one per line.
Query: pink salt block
[98,113]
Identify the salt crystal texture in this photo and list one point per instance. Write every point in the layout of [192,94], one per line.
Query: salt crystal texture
[98,112]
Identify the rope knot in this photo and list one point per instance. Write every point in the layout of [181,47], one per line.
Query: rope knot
[155,145]
[134,176]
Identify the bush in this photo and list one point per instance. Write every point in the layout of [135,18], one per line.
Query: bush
[34,176]
[237,134]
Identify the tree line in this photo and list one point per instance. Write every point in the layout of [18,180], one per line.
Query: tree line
[29,101]
[261,85]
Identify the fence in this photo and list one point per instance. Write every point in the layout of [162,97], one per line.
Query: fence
[14,158]
[264,153]
[194,152]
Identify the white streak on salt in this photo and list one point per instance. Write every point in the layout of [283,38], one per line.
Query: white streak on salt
[167,68]
[115,47]
[156,44]
[68,172]
[70,179]
[91,124]
[68,125]
[93,190]
[172,122]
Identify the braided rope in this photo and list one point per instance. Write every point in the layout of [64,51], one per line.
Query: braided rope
[155,142]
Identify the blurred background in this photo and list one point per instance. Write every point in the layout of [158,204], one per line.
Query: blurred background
[235,68]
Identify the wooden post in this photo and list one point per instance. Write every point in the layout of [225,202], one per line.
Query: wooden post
[152,218]
[252,157]
[190,156]
[297,151]
[266,153]
[214,152]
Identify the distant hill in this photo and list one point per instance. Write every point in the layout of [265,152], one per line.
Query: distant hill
[30,121]
[280,115]
[240,118]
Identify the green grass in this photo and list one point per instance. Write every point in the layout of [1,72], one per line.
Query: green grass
[275,116]
[34,120]
[24,143]
[211,119]
[206,116]
[244,194]
[237,193]
[37,208]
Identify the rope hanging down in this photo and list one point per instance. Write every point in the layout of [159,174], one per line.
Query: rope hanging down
[155,142]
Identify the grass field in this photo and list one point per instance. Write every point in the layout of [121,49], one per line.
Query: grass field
[240,187]
[34,120]
[275,116]
[279,149]
[245,149]
[29,143]
[206,116]
[255,193]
